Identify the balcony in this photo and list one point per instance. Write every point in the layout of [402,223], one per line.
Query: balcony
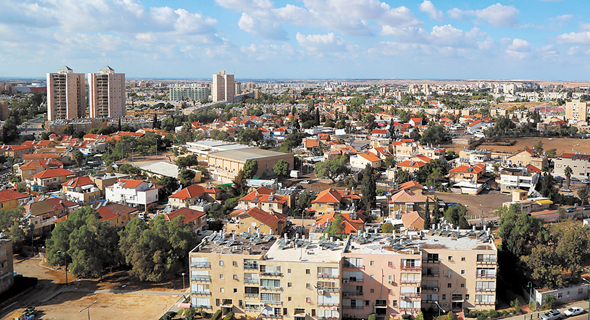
[250,280]
[412,282]
[430,275]
[409,295]
[485,275]
[352,294]
[200,265]
[431,261]
[250,266]
[429,288]
[201,306]
[272,288]
[274,274]
[329,289]
[352,266]
[327,276]
[410,310]
[276,303]
[328,305]
[345,280]
[352,307]
[201,278]
[485,289]
[251,295]
[487,262]
[273,316]
[201,292]
[484,303]
[410,267]
[252,309]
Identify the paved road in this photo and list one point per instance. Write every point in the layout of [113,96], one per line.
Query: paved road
[33,126]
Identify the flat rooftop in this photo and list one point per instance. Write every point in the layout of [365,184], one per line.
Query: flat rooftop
[247,154]
[305,250]
[371,243]
[238,243]
[457,240]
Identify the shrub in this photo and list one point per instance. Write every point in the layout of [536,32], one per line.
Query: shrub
[549,301]
[168,315]
[229,316]
[216,315]
[493,313]
[406,316]
[189,314]
[204,314]
[371,316]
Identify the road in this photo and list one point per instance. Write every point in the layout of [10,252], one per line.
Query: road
[32,127]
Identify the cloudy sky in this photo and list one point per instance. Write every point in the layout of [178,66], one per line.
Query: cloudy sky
[299,39]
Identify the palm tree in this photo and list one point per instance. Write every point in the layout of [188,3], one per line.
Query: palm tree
[568,175]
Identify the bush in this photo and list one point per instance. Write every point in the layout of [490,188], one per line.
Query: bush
[229,316]
[189,314]
[493,313]
[216,315]
[168,315]
[406,316]
[549,301]
[371,316]
[204,314]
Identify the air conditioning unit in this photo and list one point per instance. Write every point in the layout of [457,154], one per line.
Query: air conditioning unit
[321,292]
[345,280]
[390,281]
[435,289]
[447,275]
[345,294]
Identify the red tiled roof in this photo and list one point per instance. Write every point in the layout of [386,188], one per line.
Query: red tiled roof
[7,195]
[189,215]
[328,196]
[411,164]
[128,183]
[193,191]
[413,220]
[369,156]
[51,173]
[78,182]
[271,219]
[350,225]
[467,169]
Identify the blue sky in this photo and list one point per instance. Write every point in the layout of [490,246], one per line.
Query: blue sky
[299,39]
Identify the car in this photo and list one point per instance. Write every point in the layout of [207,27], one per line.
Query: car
[586,207]
[304,182]
[586,181]
[566,190]
[570,209]
[453,204]
[573,311]
[552,315]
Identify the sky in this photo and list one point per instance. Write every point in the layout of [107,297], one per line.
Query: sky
[299,39]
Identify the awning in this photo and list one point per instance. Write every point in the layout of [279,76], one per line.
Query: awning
[542,202]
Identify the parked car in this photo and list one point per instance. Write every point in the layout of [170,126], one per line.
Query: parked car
[586,181]
[304,182]
[566,190]
[587,207]
[570,209]
[573,311]
[552,315]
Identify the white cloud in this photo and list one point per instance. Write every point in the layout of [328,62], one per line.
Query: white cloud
[496,15]
[520,45]
[245,5]
[265,28]
[574,38]
[321,42]
[431,10]
[564,17]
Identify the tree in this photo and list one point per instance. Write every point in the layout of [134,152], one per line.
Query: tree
[188,161]
[336,227]
[281,169]
[186,177]
[332,168]
[539,147]
[239,184]
[573,249]
[436,134]
[127,168]
[292,140]
[250,168]
[349,182]
[305,199]
[69,130]
[156,251]
[387,227]
[551,153]
[584,193]
[155,122]
[520,232]
[568,175]
[456,216]
[427,215]
[544,264]
[368,188]
[436,212]
[402,176]
[79,158]
[390,162]
[169,185]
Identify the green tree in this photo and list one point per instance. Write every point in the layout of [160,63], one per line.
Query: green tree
[551,153]
[69,130]
[240,184]
[436,214]
[568,175]
[292,140]
[519,231]
[390,162]
[332,168]
[349,182]
[169,185]
[436,134]
[584,193]
[427,222]
[387,227]
[456,216]
[250,168]
[336,227]
[186,177]
[573,249]
[281,169]
[368,187]
[544,264]
[187,161]
[402,176]
[305,199]
[127,168]
[539,147]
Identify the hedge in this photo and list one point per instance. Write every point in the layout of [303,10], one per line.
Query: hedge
[216,315]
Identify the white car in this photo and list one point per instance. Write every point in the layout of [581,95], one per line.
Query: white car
[573,311]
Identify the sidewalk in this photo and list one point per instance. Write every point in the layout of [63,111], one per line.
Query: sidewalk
[538,314]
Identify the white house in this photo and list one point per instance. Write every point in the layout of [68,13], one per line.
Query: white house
[475,126]
[132,192]
[360,161]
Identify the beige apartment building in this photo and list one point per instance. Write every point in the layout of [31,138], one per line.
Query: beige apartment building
[579,163]
[6,265]
[326,279]
[223,87]
[225,165]
[106,94]
[66,95]
[576,110]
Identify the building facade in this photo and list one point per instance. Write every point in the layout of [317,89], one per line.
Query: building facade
[6,265]
[576,110]
[190,92]
[106,94]
[223,87]
[579,163]
[66,93]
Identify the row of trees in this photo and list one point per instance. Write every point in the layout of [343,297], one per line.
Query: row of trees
[154,251]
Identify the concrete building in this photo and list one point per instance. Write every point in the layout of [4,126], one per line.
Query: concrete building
[106,94]
[136,193]
[390,275]
[517,178]
[66,95]
[225,165]
[579,163]
[223,87]
[6,265]
[576,110]
[189,92]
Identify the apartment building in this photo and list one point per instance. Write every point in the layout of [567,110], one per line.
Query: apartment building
[136,193]
[106,94]
[6,265]
[223,87]
[579,163]
[576,110]
[191,92]
[390,275]
[513,178]
[66,92]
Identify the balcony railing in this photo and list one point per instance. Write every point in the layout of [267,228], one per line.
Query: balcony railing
[329,289]
[201,265]
[430,274]
[429,288]
[431,261]
[486,262]
[274,316]
[410,310]
[328,276]
[352,307]
[272,302]
[355,279]
[407,281]
[273,273]
[271,288]
[409,295]
[485,275]
[251,266]
[250,280]
[201,278]
[485,289]
[352,294]
[328,305]
[201,292]
[484,303]
[252,309]
[410,267]
[349,265]
[201,306]
[251,295]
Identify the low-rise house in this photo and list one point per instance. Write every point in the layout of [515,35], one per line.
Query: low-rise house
[352,222]
[469,174]
[132,192]
[196,219]
[518,178]
[265,199]
[28,169]
[526,157]
[44,212]
[413,221]
[256,220]
[102,181]
[331,200]
[411,165]
[360,161]
[15,152]
[81,190]
[51,179]
[578,162]
[10,199]
[407,201]
[193,194]
[116,214]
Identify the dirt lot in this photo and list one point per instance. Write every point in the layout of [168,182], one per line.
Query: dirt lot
[561,144]
[154,300]
[489,202]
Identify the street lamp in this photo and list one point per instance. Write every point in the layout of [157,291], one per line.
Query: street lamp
[183,281]
[66,263]
[530,286]
[439,309]
[88,308]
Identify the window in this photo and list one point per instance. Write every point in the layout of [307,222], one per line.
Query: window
[217,302]
[313,312]
[372,263]
[240,303]
[372,290]
[462,285]
[462,258]
[580,291]
[288,270]
[367,302]
[235,277]
[307,286]
[221,290]
[372,276]
[466,297]
[448,285]
[444,296]
[221,262]
[450,258]
[290,299]
[235,290]
[390,264]
[235,263]
[462,271]
[307,271]
[394,303]
[289,284]
[308,300]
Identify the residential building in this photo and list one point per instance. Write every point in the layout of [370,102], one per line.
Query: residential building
[526,157]
[16,152]
[192,195]
[6,265]
[81,190]
[265,199]
[223,87]
[579,163]
[407,201]
[189,92]
[28,169]
[194,218]
[517,178]
[359,161]
[576,110]
[468,174]
[106,94]
[136,193]
[44,212]
[102,181]
[116,214]
[353,223]
[10,199]
[225,165]
[411,165]
[256,220]
[51,179]
[66,93]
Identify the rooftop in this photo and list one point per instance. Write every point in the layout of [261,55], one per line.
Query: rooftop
[238,243]
[305,250]
[247,154]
